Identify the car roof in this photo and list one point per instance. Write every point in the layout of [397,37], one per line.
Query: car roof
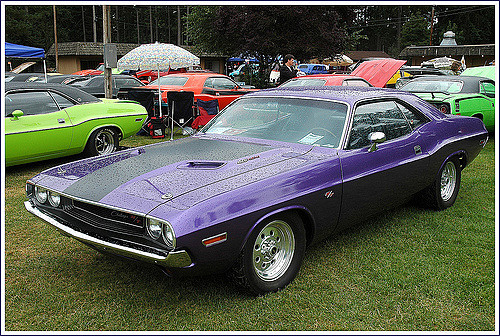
[470,83]
[70,91]
[348,94]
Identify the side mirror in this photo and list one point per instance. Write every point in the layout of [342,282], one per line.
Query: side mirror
[375,138]
[16,114]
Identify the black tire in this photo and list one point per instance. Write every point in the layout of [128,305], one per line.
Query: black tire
[272,255]
[444,190]
[101,141]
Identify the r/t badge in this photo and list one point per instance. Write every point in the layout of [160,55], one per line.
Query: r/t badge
[329,194]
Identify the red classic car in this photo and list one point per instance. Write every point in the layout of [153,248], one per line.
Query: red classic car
[369,73]
[206,86]
[326,80]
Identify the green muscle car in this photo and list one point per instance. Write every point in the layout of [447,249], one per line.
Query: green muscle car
[45,121]
[471,96]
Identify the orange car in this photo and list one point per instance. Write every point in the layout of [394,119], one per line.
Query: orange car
[206,86]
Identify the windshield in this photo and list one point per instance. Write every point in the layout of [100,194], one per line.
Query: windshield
[433,86]
[304,82]
[170,80]
[294,120]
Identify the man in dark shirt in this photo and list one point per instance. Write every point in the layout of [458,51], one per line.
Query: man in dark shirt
[287,71]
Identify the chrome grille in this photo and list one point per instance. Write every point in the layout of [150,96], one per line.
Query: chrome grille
[105,218]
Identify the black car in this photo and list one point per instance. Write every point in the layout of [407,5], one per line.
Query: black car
[95,84]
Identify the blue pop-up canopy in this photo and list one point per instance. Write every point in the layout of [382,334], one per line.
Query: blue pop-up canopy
[20,51]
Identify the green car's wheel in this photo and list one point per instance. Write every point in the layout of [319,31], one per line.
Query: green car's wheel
[102,141]
[272,255]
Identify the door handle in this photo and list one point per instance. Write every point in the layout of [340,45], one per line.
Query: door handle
[61,121]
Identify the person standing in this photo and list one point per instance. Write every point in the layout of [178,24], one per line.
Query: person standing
[287,71]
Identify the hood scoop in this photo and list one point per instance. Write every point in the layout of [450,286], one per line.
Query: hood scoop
[201,165]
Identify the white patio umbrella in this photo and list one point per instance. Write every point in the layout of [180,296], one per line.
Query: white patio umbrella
[157,56]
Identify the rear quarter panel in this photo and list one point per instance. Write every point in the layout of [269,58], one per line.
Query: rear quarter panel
[126,117]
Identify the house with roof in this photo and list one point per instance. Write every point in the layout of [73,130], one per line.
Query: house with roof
[76,56]
[474,55]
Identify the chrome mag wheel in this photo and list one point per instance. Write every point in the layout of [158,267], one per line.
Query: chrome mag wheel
[273,250]
[105,142]
[448,181]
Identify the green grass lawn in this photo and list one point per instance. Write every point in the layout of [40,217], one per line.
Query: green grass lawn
[406,269]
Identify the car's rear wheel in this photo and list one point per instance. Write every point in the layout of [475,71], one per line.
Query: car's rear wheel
[444,191]
[102,141]
[272,256]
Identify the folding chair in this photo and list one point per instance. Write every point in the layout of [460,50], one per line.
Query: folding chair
[207,109]
[180,109]
[147,98]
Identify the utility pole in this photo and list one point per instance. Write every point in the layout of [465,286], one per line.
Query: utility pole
[83,24]
[178,25]
[398,41]
[95,23]
[432,25]
[168,21]
[55,38]
[151,23]
[137,19]
[106,37]
[117,25]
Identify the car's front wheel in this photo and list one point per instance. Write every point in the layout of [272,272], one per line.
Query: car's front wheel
[444,191]
[273,254]
[102,141]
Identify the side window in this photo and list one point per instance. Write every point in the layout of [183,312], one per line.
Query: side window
[97,81]
[63,102]
[223,84]
[209,83]
[488,89]
[415,119]
[355,82]
[377,117]
[31,103]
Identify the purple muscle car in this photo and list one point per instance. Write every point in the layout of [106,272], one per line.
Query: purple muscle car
[275,171]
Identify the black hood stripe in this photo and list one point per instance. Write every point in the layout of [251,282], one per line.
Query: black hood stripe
[96,185]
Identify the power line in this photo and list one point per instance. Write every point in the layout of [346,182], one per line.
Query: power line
[389,21]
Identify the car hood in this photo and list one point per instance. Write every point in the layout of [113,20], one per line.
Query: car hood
[142,178]
[378,72]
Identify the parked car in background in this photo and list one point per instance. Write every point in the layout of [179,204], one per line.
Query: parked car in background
[45,121]
[326,80]
[483,71]
[32,76]
[57,79]
[407,73]
[245,69]
[462,95]
[91,72]
[379,71]
[95,84]
[313,69]
[276,171]
[9,75]
[205,85]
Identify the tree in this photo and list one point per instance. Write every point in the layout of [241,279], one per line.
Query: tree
[304,31]
[268,31]
[415,31]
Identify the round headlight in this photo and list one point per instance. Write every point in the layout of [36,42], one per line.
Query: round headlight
[41,194]
[54,199]
[168,236]
[154,228]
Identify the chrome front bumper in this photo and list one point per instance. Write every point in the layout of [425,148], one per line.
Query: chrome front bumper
[173,259]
